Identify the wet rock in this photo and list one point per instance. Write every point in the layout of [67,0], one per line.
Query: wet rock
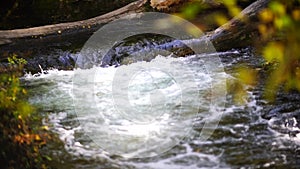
[285,103]
[145,49]
[59,60]
[284,113]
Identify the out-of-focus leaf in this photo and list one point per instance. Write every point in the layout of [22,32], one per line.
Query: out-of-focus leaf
[283,22]
[277,8]
[266,15]
[247,75]
[220,19]
[296,14]
[274,52]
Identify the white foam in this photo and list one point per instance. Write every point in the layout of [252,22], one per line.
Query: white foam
[68,132]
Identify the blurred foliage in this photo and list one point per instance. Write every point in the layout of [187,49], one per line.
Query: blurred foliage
[216,12]
[278,43]
[20,142]
[279,27]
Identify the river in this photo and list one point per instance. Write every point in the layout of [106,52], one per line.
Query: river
[169,113]
[94,134]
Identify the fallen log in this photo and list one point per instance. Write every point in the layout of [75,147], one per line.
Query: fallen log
[8,36]
[240,31]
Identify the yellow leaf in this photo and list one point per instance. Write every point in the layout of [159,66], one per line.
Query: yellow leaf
[266,16]
[234,11]
[296,14]
[45,127]
[229,2]
[220,19]
[24,91]
[35,149]
[37,137]
[262,29]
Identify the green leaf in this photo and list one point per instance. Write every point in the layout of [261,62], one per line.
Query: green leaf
[48,158]
[277,8]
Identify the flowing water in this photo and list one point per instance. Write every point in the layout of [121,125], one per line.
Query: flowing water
[96,135]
